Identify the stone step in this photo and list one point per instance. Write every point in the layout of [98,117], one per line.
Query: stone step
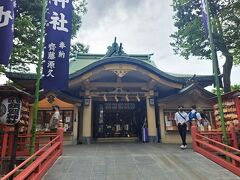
[116,139]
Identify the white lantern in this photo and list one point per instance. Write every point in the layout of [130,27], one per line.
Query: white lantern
[10,110]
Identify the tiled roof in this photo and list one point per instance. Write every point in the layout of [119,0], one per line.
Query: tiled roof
[82,63]
[81,66]
[83,60]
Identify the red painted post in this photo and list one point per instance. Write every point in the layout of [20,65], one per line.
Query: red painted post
[234,137]
[60,132]
[10,142]
[235,142]
[237,105]
[194,137]
[4,143]
[37,144]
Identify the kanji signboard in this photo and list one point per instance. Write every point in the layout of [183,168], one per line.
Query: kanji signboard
[57,45]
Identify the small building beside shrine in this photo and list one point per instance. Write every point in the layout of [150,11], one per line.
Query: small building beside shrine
[115,95]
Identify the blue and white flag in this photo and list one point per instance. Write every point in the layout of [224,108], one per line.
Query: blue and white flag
[7,14]
[204,16]
[206,20]
[57,44]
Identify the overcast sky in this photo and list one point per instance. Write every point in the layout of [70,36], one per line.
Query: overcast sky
[144,27]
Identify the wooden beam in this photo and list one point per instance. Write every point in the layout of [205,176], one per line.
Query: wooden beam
[118,84]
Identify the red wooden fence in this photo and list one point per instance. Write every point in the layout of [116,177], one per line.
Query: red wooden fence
[224,155]
[218,136]
[5,136]
[42,160]
[23,142]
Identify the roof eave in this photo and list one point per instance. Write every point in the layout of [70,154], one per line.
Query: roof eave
[185,90]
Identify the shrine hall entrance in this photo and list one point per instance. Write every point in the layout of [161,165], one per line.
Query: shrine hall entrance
[118,119]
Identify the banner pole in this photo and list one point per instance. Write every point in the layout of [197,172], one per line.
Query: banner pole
[214,61]
[39,65]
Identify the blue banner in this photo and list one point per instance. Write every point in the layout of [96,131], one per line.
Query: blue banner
[57,45]
[205,25]
[6,29]
[204,16]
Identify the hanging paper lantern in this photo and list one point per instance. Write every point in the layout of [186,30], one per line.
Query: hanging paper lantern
[10,110]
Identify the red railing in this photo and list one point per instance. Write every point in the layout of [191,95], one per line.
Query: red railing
[224,155]
[42,160]
[24,142]
[218,136]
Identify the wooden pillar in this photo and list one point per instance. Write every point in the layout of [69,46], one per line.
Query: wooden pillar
[75,124]
[31,108]
[80,125]
[87,121]
[194,131]
[162,123]
[234,137]
[4,143]
[151,118]
[237,105]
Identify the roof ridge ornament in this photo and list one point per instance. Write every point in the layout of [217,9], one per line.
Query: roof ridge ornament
[115,50]
[190,81]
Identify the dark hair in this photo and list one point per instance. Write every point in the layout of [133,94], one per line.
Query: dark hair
[180,106]
[55,106]
[194,106]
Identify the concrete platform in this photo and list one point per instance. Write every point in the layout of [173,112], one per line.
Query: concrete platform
[134,161]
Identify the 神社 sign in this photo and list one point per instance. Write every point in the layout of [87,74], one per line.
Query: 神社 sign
[10,110]
[57,45]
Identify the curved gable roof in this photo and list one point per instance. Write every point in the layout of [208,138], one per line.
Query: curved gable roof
[126,60]
[148,65]
[79,67]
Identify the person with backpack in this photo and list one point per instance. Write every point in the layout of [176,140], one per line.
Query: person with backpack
[194,116]
[181,119]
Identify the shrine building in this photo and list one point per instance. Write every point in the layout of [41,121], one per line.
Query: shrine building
[115,95]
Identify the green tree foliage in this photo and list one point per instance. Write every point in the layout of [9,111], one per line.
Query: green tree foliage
[190,39]
[27,33]
[214,91]
[233,88]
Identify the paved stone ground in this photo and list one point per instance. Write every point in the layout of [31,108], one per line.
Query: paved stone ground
[132,161]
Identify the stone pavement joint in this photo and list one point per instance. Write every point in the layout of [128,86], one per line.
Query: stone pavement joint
[134,161]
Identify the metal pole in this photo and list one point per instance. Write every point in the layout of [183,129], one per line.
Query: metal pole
[35,117]
[214,61]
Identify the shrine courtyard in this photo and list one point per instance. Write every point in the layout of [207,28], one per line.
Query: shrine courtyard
[134,161]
